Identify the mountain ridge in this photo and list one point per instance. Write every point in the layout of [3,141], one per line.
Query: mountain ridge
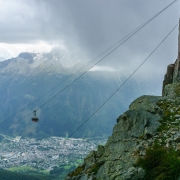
[25,79]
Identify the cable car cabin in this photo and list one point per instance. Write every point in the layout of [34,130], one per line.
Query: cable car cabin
[35,119]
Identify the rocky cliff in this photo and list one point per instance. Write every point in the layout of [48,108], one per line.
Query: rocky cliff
[150,121]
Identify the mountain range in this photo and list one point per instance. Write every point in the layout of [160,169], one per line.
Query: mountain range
[63,97]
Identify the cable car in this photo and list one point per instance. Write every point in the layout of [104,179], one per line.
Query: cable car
[35,119]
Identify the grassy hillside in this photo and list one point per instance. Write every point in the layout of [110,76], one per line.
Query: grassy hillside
[8,175]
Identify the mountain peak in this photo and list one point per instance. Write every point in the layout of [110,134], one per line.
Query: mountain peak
[173,70]
[26,55]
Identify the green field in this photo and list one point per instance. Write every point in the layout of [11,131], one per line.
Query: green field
[67,168]
[21,168]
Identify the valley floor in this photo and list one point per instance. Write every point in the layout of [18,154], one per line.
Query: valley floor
[25,154]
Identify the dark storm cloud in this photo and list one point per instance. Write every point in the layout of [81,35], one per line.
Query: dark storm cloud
[95,25]
[89,27]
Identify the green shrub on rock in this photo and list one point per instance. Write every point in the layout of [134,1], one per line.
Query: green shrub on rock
[160,163]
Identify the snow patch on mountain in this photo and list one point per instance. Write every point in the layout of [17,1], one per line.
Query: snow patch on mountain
[102,68]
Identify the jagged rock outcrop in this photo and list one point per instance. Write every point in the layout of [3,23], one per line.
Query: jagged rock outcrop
[149,120]
[131,136]
[173,70]
[168,77]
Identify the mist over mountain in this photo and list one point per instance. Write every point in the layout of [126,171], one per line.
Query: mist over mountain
[4,54]
[2,59]
[34,82]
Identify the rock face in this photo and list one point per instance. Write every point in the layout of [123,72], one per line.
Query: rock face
[173,70]
[131,136]
[168,77]
[149,120]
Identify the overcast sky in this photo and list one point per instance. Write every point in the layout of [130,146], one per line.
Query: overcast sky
[86,28]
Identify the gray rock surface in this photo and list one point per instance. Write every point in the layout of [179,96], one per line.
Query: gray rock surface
[131,136]
[168,77]
[173,70]
[172,91]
